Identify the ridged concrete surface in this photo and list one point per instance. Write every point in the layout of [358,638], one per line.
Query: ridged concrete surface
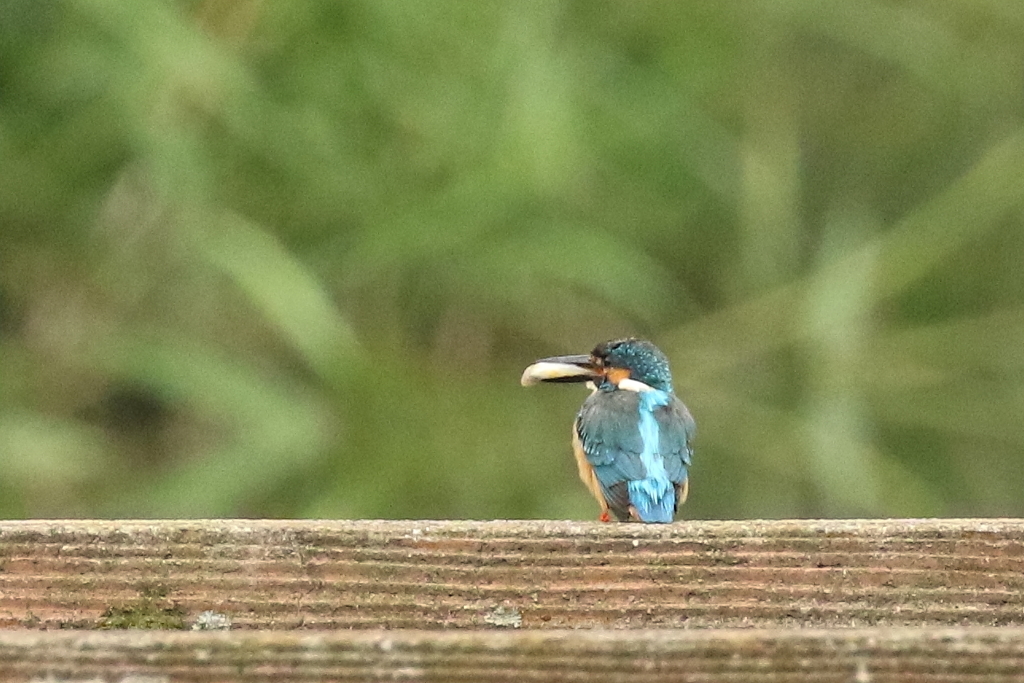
[915,655]
[493,575]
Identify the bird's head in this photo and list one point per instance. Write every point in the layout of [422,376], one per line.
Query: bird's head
[630,364]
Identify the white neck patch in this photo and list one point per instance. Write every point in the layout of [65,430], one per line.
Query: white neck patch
[634,385]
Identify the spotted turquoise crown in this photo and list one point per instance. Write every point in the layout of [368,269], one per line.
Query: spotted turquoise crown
[645,361]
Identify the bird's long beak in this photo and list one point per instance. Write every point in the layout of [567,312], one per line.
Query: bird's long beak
[560,369]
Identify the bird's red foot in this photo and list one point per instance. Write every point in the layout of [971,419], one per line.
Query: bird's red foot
[605,517]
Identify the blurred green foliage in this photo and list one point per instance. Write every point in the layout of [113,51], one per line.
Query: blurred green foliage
[289,259]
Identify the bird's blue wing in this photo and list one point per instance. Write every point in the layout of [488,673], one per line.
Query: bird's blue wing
[675,430]
[609,433]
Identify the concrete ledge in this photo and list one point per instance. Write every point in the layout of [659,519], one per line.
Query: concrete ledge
[779,655]
[522,574]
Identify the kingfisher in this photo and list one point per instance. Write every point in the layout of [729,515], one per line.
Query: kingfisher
[632,437]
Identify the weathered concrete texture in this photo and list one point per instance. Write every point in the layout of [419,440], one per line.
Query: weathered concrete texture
[783,656]
[493,575]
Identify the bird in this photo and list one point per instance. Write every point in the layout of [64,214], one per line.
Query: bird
[632,437]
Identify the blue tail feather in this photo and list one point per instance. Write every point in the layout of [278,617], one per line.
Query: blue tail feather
[654,499]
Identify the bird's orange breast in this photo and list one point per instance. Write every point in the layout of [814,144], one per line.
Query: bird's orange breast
[586,470]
